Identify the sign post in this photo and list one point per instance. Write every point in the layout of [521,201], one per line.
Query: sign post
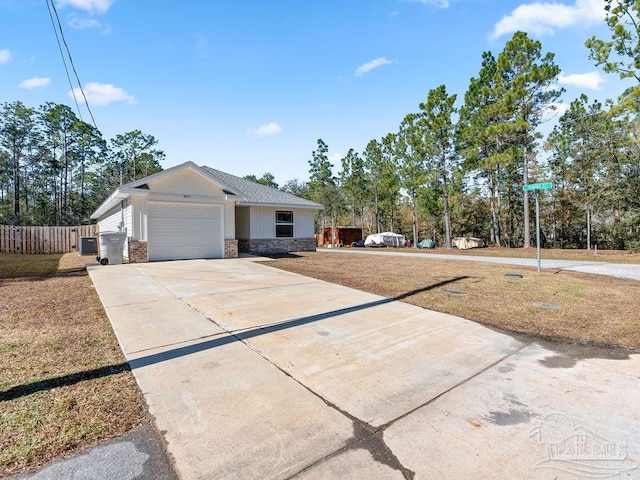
[536,187]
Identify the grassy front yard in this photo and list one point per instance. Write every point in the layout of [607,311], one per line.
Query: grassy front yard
[613,256]
[581,308]
[64,383]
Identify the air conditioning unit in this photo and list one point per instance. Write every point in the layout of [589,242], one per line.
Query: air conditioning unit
[88,246]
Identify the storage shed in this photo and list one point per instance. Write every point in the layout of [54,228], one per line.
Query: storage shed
[344,236]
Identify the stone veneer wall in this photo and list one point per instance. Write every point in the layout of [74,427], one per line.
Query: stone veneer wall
[137,252]
[231,249]
[261,246]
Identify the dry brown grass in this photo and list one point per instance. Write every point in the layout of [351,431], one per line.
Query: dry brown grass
[594,309]
[615,256]
[64,383]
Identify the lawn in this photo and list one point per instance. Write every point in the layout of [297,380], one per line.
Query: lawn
[613,256]
[64,383]
[556,305]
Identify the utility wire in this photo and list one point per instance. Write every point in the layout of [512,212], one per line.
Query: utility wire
[51,7]
[64,61]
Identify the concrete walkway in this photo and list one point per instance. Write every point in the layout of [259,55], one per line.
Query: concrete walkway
[252,372]
[618,270]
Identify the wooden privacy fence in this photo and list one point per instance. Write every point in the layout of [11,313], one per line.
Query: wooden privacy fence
[31,240]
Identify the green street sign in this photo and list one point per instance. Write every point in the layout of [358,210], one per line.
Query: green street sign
[537,186]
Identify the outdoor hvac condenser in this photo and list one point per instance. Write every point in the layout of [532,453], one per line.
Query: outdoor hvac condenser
[88,245]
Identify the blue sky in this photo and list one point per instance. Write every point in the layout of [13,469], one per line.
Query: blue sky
[249,86]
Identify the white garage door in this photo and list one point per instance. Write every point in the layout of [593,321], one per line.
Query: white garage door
[180,232]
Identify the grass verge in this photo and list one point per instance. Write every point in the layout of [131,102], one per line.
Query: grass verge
[64,382]
[614,256]
[580,308]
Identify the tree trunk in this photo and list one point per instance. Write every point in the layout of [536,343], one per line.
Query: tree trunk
[494,221]
[588,227]
[525,181]
[26,193]
[415,219]
[83,205]
[377,213]
[445,201]
[447,223]
[16,186]
[498,206]
[65,185]
[333,231]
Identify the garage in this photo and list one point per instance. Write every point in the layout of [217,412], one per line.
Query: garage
[184,231]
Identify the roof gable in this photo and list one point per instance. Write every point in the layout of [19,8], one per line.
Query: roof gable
[177,169]
[253,193]
[245,191]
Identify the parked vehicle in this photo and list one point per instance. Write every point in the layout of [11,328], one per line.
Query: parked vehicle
[386,239]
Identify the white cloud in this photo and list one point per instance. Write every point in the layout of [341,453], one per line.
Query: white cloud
[269,129]
[367,67]
[102,94]
[98,6]
[80,23]
[5,55]
[435,3]
[35,82]
[591,80]
[543,18]
[335,157]
[554,110]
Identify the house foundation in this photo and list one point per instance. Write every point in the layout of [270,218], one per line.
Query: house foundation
[266,246]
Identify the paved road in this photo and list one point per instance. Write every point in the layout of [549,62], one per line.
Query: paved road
[619,270]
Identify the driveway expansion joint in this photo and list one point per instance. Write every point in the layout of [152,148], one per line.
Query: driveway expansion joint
[450,389]
[365,436]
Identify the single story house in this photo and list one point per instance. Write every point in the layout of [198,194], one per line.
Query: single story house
[188,212]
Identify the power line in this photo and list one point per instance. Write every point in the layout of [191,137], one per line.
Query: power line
[51,7]
[64,61]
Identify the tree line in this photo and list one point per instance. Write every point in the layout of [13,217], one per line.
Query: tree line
[460,170]
[454,167]
[56,169]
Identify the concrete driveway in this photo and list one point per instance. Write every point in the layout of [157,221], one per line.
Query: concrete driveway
[252,372]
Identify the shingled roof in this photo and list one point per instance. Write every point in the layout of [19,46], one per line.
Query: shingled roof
[256,194]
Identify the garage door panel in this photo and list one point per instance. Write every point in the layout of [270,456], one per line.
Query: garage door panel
[185,232]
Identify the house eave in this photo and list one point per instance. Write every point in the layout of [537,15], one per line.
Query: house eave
[109,203]
[280,205]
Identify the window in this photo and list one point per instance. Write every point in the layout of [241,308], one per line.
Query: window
[284,216]
[284,223]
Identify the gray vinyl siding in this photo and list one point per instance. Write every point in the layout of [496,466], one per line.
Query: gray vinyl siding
[262,222]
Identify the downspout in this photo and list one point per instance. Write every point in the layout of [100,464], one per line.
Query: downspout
[122,205]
